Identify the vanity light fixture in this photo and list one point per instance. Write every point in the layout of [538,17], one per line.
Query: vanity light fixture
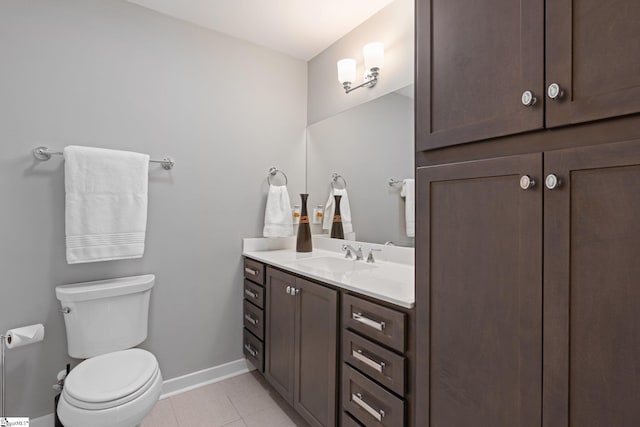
[373,62]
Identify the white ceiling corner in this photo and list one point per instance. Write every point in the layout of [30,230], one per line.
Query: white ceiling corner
[299,28]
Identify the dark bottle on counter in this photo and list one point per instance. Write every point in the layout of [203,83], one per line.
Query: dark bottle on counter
[303,244]
[337,232]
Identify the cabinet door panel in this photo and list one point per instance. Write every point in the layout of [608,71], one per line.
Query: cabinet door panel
[592,288]
[474,60]
[316,353]
[479,294]
[592,52]
[280,333]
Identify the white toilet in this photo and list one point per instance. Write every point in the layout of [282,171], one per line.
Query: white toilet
[117,385]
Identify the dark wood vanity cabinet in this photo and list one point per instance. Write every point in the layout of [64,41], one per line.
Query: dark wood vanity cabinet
[301,345]
[253,313]
[375,368]
[482,65]
[528,290]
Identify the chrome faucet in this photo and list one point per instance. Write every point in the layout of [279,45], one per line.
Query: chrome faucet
[349,249]
[370,258]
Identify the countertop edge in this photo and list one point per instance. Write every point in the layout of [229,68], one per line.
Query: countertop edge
[385,298]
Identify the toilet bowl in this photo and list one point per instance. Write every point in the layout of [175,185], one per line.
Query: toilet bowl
[117,384]
[112,390]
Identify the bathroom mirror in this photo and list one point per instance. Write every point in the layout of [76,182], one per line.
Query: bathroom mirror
[367,145]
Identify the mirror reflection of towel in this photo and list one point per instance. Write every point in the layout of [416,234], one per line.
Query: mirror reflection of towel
[278,220]
[409,194]
[345,210]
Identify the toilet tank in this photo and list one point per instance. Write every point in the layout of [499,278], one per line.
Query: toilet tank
[105,315]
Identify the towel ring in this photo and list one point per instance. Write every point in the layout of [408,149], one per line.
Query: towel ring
[273,171]
[335,177]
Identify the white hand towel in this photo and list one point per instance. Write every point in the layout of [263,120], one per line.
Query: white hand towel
[409,194]
[278,220]
[345,210]
[105,204]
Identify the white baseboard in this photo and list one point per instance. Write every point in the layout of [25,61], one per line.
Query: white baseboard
[206,376]
[180,384]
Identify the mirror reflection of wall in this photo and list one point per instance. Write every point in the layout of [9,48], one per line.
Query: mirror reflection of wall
[367,145]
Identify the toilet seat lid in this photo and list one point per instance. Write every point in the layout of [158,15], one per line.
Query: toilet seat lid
[111,379]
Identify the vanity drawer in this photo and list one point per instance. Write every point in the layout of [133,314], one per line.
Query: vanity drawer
[348,421]
[254,271]
[384,366]
[254,319]
[254,293]
[369,403]
[381,324]
[253,350]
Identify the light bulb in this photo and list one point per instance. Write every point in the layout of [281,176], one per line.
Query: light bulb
[347,70]
[373,55]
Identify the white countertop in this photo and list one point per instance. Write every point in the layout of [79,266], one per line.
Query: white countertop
[390,279]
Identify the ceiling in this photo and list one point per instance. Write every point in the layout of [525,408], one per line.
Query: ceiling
[299,28]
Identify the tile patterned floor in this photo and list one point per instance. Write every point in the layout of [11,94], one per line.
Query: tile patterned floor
[243,401]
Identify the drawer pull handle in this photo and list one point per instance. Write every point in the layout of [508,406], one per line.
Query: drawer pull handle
[250,294]
[378,414]
[358,317]
[378,366]
[250,319]
[251,271]
[251,351]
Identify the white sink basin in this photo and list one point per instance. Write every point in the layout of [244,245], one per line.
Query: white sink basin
[334,265]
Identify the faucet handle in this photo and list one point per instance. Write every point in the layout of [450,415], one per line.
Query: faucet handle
[348,254]
[370,258]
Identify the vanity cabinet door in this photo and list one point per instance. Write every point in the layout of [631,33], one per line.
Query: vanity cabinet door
[316,353]
[280,332]
[475,60]
[479,293]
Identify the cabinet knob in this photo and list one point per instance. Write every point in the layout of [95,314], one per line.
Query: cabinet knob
[552,182]
[526,182]
[289,290]
[554,91]
[528,99]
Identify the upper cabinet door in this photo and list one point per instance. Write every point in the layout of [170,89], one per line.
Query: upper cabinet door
[475,61]
[593,55]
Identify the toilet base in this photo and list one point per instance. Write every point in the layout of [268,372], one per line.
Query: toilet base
[130,414]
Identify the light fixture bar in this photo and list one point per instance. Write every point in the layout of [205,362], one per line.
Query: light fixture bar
[371,81]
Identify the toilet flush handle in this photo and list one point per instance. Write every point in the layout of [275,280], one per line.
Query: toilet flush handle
[64,310]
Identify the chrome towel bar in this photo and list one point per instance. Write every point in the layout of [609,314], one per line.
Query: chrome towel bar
[44,153]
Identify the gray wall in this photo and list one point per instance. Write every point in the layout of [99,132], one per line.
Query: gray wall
[367,145]
[394,26]
[114,75]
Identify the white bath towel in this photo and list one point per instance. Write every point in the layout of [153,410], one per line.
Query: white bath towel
[345,210]
[409,194]
[106,204]
[278,220]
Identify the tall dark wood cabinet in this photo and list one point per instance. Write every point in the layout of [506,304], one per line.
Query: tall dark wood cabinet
[528,230]
[301,345]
